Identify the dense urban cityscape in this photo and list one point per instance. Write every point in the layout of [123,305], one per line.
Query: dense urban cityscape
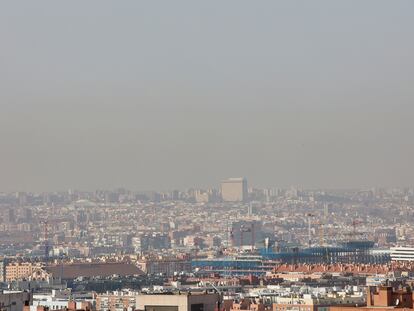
[239,246]
[207,155]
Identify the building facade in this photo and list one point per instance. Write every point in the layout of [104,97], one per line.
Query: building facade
[402,253]
[234,190]
[19,271]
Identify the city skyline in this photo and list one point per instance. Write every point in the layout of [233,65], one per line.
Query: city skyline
[217,186]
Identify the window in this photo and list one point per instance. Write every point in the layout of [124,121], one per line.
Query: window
[197,307]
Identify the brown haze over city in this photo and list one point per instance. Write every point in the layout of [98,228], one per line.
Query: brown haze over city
[146,95]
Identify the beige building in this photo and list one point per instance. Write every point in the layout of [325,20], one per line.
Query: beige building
[19,271]
[234,190]
[179,302]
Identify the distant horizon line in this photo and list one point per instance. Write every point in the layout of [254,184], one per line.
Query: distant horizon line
[186,189]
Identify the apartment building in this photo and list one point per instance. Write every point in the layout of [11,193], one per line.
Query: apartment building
[20,270]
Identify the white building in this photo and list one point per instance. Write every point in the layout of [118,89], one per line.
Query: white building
[402,253]
[59,299]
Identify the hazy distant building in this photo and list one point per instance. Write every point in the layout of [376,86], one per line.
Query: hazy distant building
[246,233]
[21,198]
[27,215]
[234,190]
[154,241]
[9,216]
[201,196]
[111,197]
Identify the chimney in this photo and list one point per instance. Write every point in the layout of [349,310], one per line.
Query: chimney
[370,302]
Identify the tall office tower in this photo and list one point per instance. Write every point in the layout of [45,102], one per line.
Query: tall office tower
[234,190]
[21,198]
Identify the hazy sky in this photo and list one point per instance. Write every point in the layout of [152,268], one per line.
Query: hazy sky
[175,94]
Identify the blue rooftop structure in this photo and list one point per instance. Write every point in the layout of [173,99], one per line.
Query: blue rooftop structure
[348,252]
